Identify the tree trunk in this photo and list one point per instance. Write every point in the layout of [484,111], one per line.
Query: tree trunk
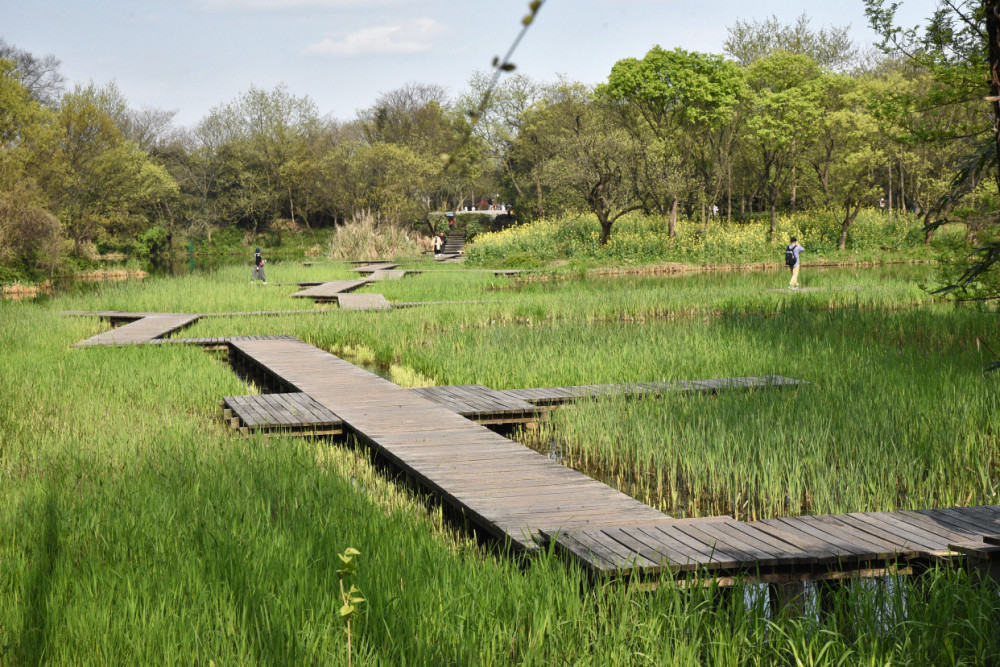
[605,227]
[902,188]
[992,11]
[729,193]
[773,205]
[795,187]
[846,224]
[890,191]
[672,225]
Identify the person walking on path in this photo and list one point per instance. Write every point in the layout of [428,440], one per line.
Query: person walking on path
[437,245]
[792,261]
[258,267]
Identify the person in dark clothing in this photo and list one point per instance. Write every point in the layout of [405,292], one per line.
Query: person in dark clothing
[258,267]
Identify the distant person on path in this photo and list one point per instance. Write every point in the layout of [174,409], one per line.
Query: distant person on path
[451,221]
[258,267]
[437,245]
[792,261]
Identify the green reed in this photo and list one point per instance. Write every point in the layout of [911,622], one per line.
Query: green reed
[136,528]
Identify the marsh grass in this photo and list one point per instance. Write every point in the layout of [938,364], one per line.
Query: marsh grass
[135,528]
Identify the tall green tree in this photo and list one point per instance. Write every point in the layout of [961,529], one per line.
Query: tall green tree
[592,160]
[784,107]
[684,103]
[249,143]
[959,48]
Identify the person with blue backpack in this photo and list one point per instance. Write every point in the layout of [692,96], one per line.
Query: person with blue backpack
[792,261]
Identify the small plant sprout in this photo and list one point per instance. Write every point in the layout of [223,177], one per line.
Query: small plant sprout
[352,596]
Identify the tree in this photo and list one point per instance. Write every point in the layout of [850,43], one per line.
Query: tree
[39,75]
[958,46]
[782,119]
[687,101]
[103,187]
[830,48]
[592,160]
[499,125]
[420,118]
[853,138]
[249,142]
[30,237]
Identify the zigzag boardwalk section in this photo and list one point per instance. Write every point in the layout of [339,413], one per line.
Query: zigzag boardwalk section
[295,413]
[299,414]
[375,267]
[145,328]
[511,492]
[363,302]
[503,488]
[329,290]
[481,404]
[794,548]
[560,395]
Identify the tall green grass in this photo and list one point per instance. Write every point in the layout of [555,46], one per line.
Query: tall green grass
[135,528]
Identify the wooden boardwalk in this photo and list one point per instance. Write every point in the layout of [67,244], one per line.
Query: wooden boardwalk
[300,414]
[375,267]
[284,413]
[363,302]
[791,548]
[510,492]
[477,402]
[147,327]
[387,274]
[481,404]
[502,487]
[560,395]
[329,290]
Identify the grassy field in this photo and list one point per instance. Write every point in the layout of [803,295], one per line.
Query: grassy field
[135,528]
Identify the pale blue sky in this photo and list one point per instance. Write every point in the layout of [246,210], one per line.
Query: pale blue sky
[191,55]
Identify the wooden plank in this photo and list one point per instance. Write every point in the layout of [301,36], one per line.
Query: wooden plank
[759,553]
[811,546]
[636,553]
[697,554]
[844,538]
[730,555]
[783,550]
[934,536]
[883,546]
[943,519]
[587,551]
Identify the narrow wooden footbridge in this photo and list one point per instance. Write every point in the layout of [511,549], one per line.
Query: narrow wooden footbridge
[512,493]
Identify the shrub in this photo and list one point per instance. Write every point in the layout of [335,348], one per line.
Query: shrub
[364,238]
[642,239]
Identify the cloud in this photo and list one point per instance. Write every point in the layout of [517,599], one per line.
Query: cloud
[413,37]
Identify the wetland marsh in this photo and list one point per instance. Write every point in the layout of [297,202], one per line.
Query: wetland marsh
[135,527]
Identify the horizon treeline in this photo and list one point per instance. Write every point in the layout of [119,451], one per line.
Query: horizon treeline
[788,119]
